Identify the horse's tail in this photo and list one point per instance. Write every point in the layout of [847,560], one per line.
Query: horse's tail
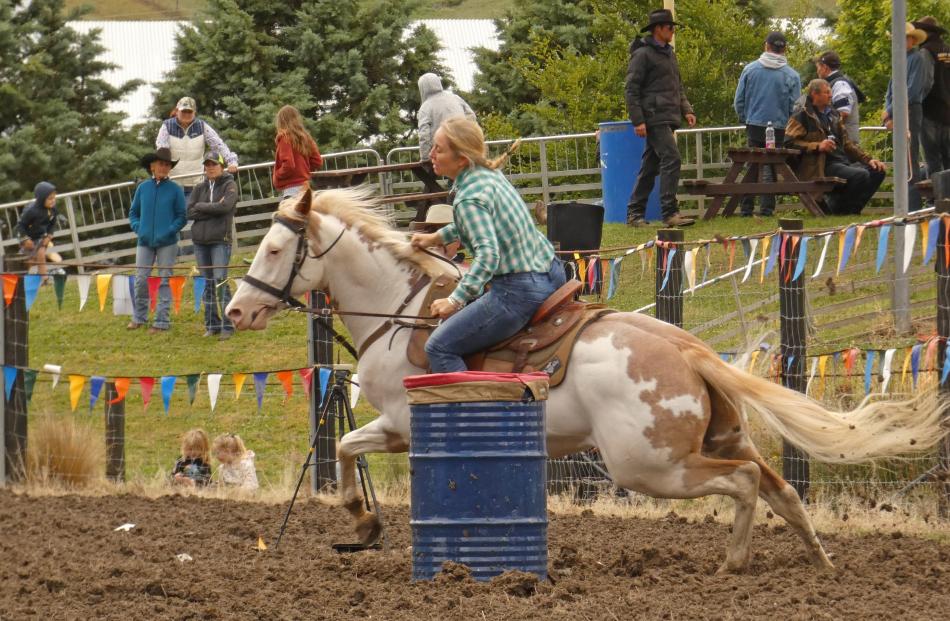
[875,429]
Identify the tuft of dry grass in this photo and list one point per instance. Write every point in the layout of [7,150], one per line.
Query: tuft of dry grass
[64,453]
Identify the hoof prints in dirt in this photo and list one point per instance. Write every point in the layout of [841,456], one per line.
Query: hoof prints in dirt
[65,561]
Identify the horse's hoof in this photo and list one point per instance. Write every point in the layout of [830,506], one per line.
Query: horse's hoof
[369,529]
[728,568]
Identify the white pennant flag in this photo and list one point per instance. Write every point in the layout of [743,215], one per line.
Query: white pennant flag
[753,245]
[83,280]
[354,390]
[821,259]
[886,369]
[688,265]
[214,383]
[55,370]
[811,374]
[121,298]
[910,235]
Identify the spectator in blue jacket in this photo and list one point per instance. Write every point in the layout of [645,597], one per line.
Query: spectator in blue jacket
[156,216]
[36,224]
[767,91]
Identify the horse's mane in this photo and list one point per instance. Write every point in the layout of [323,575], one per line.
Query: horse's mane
[356,208]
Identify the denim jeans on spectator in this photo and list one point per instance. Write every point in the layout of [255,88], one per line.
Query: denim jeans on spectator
[935,141]
[212,260]
[755,135]
[661,157]
[915,115]
[505,308]
[862,183]
[145,257]
[291,191]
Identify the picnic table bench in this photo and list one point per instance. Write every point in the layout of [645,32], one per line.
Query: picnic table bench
[755,158]
[348,177]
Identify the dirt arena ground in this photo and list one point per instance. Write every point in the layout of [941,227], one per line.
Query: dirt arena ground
[61,558]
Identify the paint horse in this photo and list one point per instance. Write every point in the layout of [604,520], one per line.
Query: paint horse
[665,412]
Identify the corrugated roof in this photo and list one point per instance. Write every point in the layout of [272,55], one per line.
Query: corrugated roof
[144,50]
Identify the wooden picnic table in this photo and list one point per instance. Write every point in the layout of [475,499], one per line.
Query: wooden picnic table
[755,158]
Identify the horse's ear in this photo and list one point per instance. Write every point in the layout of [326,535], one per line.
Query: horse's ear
[302,207]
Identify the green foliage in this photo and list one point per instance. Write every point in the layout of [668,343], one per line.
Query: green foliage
[54,119]
[347,66]
[862,39]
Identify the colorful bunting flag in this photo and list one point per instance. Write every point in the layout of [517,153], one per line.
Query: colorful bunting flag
[750,248]
[192,386]
[845,248]
[147,384]
[102,288]
[821,257]
[154,282]
[260,383]
[59,287]
[83,281]
[96,382]
[802,258]
[198,290]
[933,232]
[882,238]
[910,234]
[177,285]
[121,389]
[238,383]
[9,379]
[286,379]
[9,287]
[29,381]
[306,378]
[868,368]
[168,386]
[324,375]
[214,384]
[31,286]
[76,383]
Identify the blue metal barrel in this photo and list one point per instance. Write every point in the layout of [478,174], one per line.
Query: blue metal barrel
[620,153]
[478,473]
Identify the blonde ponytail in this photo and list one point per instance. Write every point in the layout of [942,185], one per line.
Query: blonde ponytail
[466,138]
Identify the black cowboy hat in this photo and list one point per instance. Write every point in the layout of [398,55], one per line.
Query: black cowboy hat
[929,24]
[162,155]
[658,17]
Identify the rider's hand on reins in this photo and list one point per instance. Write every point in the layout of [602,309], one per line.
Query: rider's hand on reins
[425,240]
[444,308]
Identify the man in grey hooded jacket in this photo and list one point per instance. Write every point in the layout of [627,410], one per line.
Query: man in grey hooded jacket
[437,105]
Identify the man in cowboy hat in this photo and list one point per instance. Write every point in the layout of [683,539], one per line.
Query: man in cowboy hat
[156,217]
[935,125]
[920,77]
[656,104]
[188,137]
[436,217]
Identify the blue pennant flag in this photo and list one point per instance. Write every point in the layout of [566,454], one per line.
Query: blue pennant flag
[777,241]
[260,382]
[848,245]
[915,361]
[168,385]
[9,378]
[614,277]
[95,389]
[933,230]
[724,357]
[868,368]
[746,247]
[31,286]
[669,264]
[199,290]
[802,257]
[946,369]
[324,383]
[882,238]
[788,365]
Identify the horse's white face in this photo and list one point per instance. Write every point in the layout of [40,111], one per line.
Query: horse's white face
[251,308]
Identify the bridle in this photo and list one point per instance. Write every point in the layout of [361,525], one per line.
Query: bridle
[301,255]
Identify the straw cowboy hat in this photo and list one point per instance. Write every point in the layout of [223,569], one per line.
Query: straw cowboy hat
[919,35]
[436,217]
[160,155]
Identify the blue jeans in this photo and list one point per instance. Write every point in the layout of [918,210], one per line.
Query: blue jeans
[218,256]
[145,257]
[505,308]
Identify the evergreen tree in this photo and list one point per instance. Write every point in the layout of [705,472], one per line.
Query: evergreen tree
[55,122]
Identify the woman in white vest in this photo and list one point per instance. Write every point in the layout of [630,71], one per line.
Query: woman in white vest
[189,138]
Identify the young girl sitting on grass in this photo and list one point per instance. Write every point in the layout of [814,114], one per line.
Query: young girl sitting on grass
[237,463]
[193,468]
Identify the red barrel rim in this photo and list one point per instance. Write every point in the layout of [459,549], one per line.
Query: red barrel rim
[464,377]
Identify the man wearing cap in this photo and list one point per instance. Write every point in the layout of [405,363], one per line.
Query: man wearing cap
[766,94]
[920,77]
[211,207]
[935,125]
[846,97]
[436,217]
[156,216]
[656,105]
[188,138]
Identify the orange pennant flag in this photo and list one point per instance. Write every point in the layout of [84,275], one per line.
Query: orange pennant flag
[76,383]
[857,239]
[177,285]
[286,378]
[121,388]
[9,287]
[732,253]
[102,288]
[239,383]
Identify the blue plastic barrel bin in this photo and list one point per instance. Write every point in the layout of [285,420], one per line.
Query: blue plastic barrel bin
[620,153]
[477,459]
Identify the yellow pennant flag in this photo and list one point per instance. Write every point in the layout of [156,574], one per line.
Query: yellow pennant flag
[906,366]
[755,356]
[102,288]
[841,235]
[765,255]
[924,234]
[239,383]
[261,546]
[76,383]
[822,363]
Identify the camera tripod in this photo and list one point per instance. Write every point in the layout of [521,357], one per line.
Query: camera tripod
[336,406]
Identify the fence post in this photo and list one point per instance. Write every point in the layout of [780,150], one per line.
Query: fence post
[74,233]
[545,181]
[115,435]
[320,339]
[16,330]
[941,183]
[795,467]
[669,277]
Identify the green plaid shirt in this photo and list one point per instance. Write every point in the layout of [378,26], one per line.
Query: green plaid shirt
[494,224]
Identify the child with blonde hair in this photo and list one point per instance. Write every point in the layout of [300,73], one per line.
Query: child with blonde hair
[296,153]
[193,468]
[237,462]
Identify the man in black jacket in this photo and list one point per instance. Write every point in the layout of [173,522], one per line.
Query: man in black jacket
[935,124]
[656,104]
[211,206]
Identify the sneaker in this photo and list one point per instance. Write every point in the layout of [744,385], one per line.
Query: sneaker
[134,326]
[154,330]
[678,220]
[636,221]
[210,333]
[225,336]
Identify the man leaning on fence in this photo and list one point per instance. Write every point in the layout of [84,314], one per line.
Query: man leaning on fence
[818,131]
[656,104]
[765,96]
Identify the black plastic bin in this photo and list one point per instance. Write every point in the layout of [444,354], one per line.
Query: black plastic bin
[576,226]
